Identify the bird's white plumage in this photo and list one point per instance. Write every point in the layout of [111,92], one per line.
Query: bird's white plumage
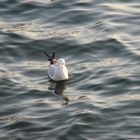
[58,71]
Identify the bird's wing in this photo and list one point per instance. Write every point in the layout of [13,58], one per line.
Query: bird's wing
[51,71]
[66,70]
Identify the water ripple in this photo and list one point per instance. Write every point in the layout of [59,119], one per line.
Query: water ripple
[100,43]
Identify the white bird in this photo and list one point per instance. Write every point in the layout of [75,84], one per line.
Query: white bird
[57,70]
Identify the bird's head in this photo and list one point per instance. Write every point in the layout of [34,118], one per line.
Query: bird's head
[61,62]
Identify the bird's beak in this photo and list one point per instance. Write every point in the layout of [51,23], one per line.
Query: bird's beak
[61,65]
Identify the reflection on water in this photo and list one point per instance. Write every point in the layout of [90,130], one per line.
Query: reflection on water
[59,88]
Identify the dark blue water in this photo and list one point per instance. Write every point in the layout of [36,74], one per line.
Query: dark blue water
[100,41]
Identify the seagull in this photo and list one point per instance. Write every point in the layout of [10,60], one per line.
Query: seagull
[57,70]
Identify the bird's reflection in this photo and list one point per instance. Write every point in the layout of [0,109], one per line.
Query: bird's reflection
[59,90]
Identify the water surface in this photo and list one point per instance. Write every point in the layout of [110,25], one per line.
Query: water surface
[100,42]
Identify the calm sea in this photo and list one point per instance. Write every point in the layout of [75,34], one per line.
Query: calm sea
[100,42]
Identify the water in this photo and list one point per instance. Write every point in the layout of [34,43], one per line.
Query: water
[100,41]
